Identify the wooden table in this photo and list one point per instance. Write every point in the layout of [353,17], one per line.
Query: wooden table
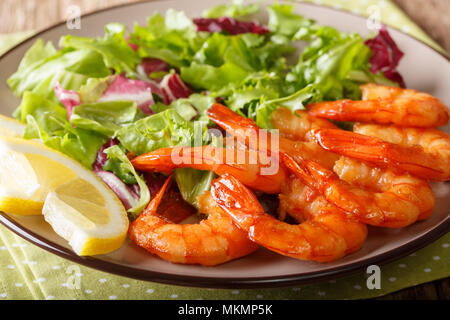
[432,15]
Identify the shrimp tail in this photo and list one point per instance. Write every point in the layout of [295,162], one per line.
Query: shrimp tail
[153,205]
[386,105]
[411,159]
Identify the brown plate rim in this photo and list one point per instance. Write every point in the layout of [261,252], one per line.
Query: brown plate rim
[229,282]
[214,282]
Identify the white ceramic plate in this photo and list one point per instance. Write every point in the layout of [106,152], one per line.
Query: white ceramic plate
[423,69]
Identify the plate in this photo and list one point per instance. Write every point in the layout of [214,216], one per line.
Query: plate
[423,68]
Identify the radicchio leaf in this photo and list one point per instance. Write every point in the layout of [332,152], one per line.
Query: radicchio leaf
[101,156]
[229,25]
[151,65]
[174,88]
[138,91]
[68,98]
[125,193]
[128,194]
[386,56]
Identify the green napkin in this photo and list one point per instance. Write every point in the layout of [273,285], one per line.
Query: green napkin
[28,272]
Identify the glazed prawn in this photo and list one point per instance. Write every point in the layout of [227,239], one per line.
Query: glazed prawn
[301,125]
[375,196]
[386,105]
[424,153]
[303,203]
[245,164]
[297,126]
[247,132]
[380,197]
[322,237]
[213,241]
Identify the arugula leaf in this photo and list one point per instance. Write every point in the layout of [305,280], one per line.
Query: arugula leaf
[296,101]
[115,152]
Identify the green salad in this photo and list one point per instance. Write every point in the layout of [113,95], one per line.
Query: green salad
[133,91]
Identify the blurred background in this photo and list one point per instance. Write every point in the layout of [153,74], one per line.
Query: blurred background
[21,15]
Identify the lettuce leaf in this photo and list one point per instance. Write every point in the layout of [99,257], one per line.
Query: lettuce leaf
[194,107]
[296,101]
[193,183]
[229,60]
[283,21]
[113,48]
[43,67]
[94,88]
[104,117]
[172,38]
[115,152]
[162,130]
[47,121]
[169,129]
[236,9]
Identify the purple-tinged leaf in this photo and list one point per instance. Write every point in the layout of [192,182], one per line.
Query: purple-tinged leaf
[151,65]
[125,193]
[68,98]
[229,25]
[386,56]
[138,91]
[174,88]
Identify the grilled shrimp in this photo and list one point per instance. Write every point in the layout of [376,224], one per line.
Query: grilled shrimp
[296,126]
[424,153]
[245,165]
[323,237]
[430,146]
[213,241]
[386,105]
[354,172]
[380,197]
[246,131]
[303,203]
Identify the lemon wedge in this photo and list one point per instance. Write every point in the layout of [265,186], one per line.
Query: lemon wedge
[10,127]
[35,179]
[88,215]
[28,171]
